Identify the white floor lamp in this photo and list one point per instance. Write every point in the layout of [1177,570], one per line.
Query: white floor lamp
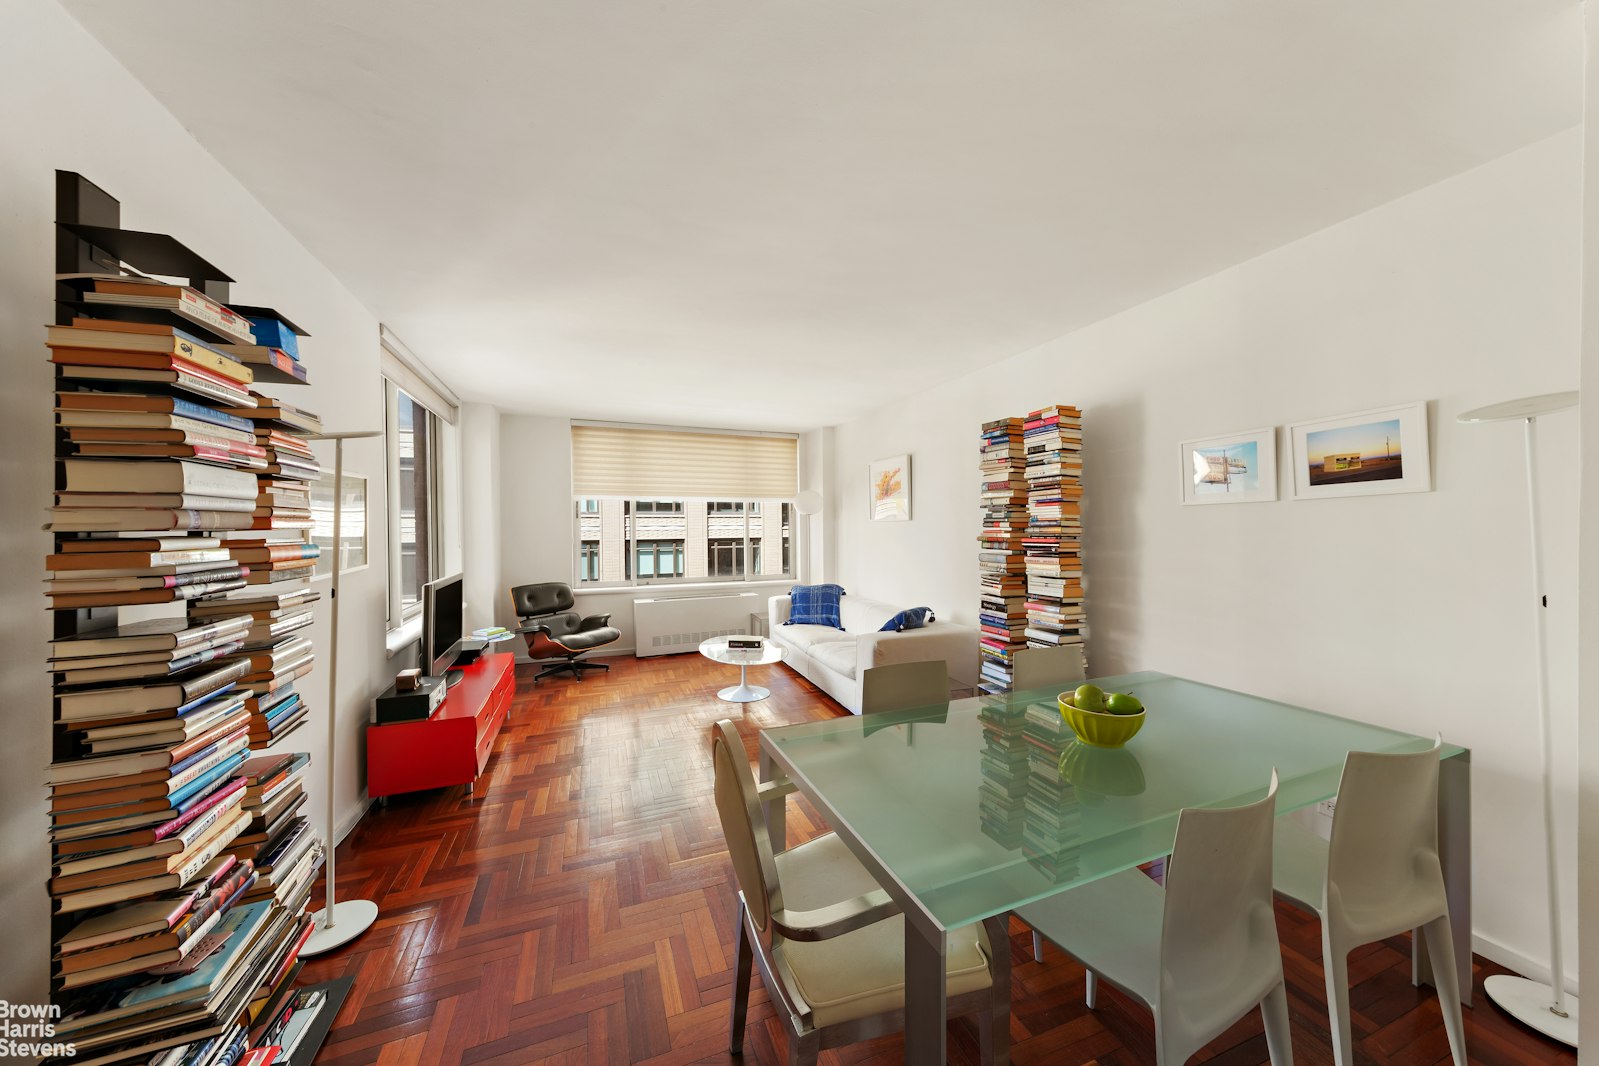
[337,923]
[1545,1007]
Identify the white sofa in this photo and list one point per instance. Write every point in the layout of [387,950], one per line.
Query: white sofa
[835,659]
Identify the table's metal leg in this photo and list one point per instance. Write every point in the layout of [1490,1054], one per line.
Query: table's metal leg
[1454,852]
[776,809]
[925,998]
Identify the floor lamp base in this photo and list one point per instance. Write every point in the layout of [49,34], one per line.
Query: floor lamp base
[1528,1002]
[351,918]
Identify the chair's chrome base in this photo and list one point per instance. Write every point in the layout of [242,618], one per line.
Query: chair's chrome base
[742,693]
[1529,1002]
[573,666]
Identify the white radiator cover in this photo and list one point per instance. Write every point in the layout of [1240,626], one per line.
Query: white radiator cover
[669,626]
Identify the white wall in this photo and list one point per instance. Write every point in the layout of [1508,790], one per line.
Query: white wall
[69,105]
[480,513]
[1588,663]
[1461,294]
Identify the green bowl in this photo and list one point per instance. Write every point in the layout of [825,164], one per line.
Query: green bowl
[1100,729]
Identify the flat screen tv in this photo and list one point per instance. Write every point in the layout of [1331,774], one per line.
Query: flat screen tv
[441,625]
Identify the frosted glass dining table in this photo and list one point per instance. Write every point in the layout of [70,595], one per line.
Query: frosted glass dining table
[964,810]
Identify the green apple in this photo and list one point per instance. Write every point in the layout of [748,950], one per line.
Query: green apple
[1090,697]
[1123,703]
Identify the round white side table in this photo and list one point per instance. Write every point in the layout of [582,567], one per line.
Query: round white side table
[716,650]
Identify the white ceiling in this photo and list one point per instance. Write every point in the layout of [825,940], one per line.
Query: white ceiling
[749,213]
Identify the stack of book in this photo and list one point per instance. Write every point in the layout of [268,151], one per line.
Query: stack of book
[275,353]
[278,595]
[1053,541]
[278,842]
[1002,603]
[128,425]
[109,571]
[273,411]
[132,290]
[1002,793]
[1052,823]
[284,500]
[141,353]
[170,935]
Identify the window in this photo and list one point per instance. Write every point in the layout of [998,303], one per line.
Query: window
[643,542]
[419,414]
[659,558]
[675,505]
[414,538]
[725,558]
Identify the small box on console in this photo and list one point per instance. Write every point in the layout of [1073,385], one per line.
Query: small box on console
[413,706]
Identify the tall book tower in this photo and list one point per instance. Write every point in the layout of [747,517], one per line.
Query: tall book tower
[1053,543]
[1002,608]
[182,865]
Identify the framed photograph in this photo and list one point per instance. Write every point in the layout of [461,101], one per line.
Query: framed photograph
[1237,468]
[891,489]
[1364,454]
[352,524]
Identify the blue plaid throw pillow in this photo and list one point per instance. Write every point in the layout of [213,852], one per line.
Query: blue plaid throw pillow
[910,618]
[814,605]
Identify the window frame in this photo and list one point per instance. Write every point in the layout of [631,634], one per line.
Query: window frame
[675,549]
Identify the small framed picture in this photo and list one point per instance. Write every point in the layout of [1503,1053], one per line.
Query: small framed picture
[891,489]
[1237,468]
[1365,454]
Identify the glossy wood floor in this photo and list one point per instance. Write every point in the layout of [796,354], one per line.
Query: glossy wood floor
[577,909]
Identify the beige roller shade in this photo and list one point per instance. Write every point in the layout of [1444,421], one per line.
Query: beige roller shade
[622,461]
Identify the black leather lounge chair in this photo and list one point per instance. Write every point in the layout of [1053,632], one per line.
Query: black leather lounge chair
[554,631]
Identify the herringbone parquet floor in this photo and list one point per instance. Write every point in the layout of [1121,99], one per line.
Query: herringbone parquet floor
[577,909]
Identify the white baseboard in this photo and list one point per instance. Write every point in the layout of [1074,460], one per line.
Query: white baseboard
[1511,959]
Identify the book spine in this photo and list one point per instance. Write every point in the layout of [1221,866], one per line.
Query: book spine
[200,413]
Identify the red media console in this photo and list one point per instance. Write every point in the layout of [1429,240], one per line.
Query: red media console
[453,746]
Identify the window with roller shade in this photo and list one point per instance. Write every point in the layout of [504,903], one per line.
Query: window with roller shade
[418,413]
[658,506]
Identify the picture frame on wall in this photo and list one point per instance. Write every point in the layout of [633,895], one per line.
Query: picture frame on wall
[352,523]
[889,487]
[1376,452]
[1236,468]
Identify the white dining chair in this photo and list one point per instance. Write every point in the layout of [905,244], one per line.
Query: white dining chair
[829,942]
[1201,952]
[904,686]
[1048,668]
[1379,875]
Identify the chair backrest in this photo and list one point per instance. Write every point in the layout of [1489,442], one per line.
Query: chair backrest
[903,686]
[1384,845]
[1052,668]
[1218,950]
[546,597]
[744,824]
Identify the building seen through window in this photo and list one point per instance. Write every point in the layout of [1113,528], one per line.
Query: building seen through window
[649,541]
